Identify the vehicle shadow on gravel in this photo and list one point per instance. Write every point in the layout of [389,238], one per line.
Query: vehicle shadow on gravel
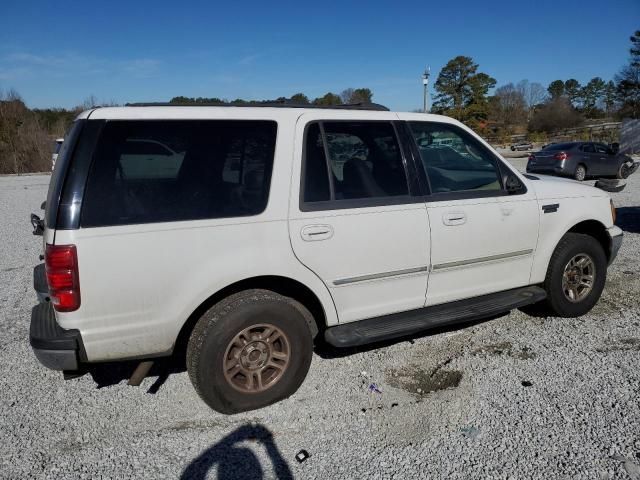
[112,373]
[237,461]
[628,219]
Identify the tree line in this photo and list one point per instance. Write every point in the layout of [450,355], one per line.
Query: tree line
[348,96]
[462,92]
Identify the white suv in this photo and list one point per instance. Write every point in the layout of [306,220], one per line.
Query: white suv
[242,233]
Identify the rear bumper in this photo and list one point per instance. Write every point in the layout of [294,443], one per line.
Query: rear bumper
[615,233]
[40,283]
[53,346]
[548,169]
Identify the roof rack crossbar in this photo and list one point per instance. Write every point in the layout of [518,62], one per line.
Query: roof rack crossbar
[350,106]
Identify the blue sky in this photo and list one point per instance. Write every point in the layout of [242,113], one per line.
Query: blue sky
[56,54]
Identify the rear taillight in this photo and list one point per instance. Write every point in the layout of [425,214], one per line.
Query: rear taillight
[532,157]
[561,156]
[61,264]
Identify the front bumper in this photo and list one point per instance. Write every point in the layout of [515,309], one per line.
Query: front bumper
[55,347]
[615,234]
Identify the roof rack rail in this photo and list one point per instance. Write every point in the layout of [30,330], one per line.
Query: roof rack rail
[349,106]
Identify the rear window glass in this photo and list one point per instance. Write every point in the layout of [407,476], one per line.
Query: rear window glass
[59,172]
[161,171]
[561,146]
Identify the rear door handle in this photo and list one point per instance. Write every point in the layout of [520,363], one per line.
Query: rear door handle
[454,218]
[314,233]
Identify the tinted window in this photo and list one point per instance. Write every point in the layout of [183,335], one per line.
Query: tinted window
[364,161]
[454,161]
[601,148]
[57,178]
[316,178]
[587,148]
[159,171]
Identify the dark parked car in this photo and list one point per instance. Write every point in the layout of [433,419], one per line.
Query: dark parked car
[581,160]
[521,146]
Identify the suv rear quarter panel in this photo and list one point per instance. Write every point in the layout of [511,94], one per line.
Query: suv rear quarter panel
[140,283]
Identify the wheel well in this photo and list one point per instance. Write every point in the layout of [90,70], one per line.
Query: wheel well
[596,230]
[282,285]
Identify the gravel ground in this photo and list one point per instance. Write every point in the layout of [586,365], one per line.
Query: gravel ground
[513,397]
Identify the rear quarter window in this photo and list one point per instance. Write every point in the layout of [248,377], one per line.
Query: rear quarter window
[163,171]
[59,172]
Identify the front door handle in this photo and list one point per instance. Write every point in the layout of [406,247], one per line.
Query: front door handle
[314,233]
[454,218]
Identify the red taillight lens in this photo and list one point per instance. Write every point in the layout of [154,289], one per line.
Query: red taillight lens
[561,156]
[532,157]
[61,264]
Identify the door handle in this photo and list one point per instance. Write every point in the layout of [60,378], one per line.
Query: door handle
[314,233]
[454,218]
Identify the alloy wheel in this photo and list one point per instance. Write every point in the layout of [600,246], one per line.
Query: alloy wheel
[256,358]
[578,277]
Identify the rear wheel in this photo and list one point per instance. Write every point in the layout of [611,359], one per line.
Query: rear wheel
[580,173]
[576,276]
[250,350]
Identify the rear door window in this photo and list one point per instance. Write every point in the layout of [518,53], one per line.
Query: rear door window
[588,148]
[352,161]
[161,171]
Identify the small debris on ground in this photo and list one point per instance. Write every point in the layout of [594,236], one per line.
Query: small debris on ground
[302,455]
[374,388]
[470,432]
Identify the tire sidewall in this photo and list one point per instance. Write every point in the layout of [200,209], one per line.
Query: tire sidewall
[560,304]
[224,325]
[578,177]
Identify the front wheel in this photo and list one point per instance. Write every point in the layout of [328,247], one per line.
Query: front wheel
[250,350]
[576,275]
[623,172]
[580,173]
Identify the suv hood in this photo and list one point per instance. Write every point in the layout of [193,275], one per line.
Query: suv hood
[548,187]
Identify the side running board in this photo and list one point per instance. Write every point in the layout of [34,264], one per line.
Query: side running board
[401,324]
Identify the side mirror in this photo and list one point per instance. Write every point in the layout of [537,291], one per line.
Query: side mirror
[512,184]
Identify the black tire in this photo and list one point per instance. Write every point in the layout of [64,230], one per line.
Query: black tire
[212,337]
[623,172]
[570,245]
[581,173]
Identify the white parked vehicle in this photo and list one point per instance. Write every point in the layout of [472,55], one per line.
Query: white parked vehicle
[243,233]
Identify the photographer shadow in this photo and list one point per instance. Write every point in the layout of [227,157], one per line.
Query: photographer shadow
[236,461]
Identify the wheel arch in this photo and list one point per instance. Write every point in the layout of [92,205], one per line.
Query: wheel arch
[595,229]
[552,233]
[280,284]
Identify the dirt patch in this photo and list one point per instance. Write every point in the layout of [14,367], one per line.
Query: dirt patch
[505,348]
[193,425]
[621,345]
[419,382]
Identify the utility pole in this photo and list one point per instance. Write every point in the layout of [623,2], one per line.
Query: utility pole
[425,82]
